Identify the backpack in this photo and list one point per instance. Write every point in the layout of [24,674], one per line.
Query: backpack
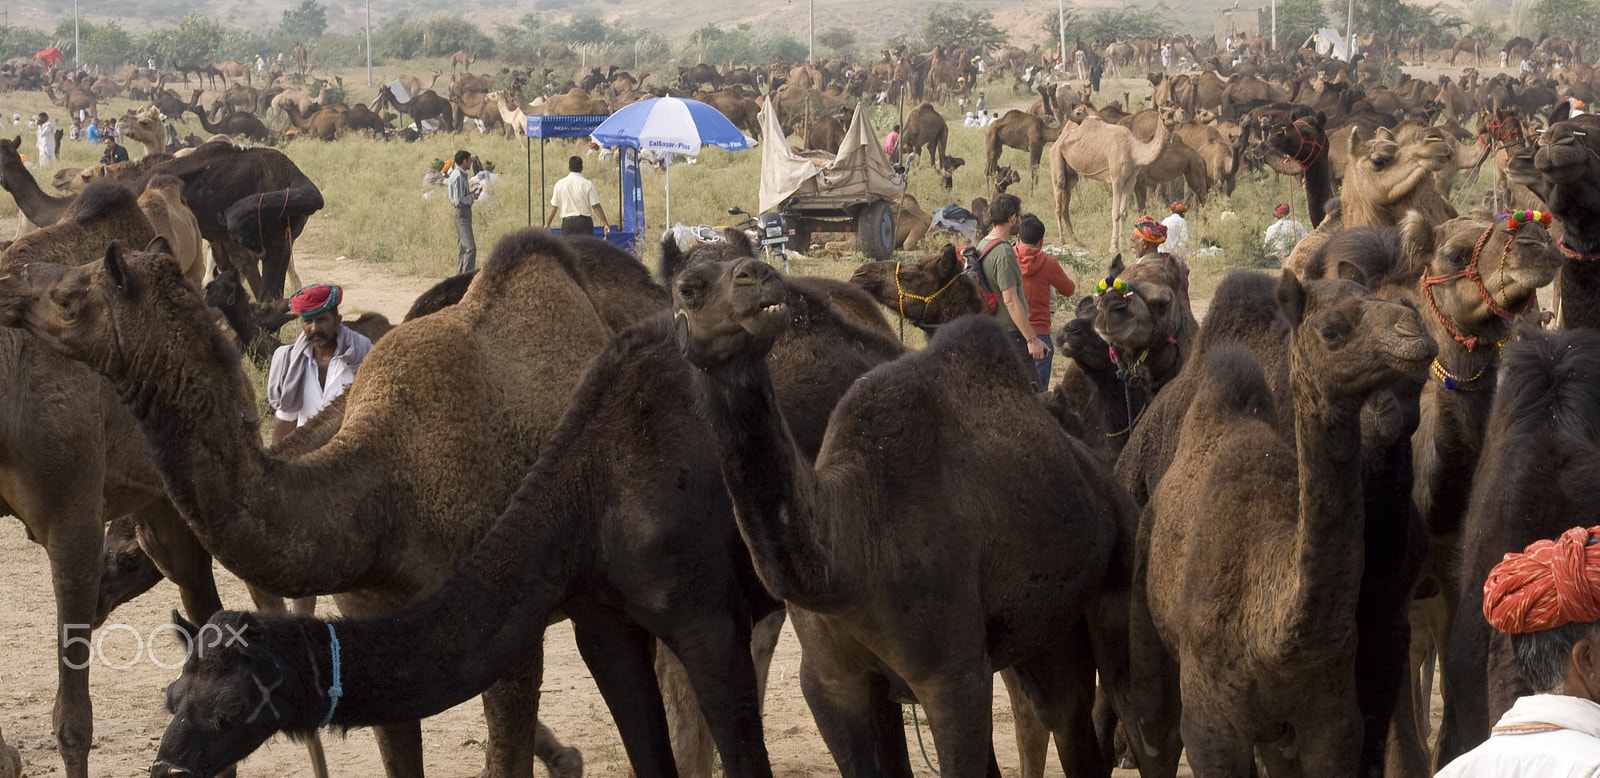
[973,270]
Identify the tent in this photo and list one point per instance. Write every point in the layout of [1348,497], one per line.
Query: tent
[631,209]
[859,170]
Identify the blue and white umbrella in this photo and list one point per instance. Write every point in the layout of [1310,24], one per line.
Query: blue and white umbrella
[670,124]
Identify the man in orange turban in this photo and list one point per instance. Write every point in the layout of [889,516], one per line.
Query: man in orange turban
[1548,600]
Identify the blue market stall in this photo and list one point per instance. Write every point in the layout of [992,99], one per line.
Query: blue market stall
[630,184]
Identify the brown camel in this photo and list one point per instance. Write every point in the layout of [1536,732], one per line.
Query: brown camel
[238,71]
[824,133]
[414,85]
[1023,131]
[325,124]
[1565,174]
[147,127]
[462,58]
[385,515]
[927,610]
[1302,140]
[75,462]
[1531,484]
[423,106]
[923,128]
[239,123]
[74,101]
[162,203]
[911,223]
[1104,152]
[1177,162]
[744,112]
[928,292]
[10,760]
[1147,325]
[1382,182]
[38,208]
[1221,163]
[574,102]
[513,116]
[1247,573]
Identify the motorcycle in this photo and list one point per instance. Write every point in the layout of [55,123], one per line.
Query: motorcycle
[767,231]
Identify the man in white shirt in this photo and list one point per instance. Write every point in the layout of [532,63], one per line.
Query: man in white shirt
[459,188]
[1177,231]
[572,199]
[1548,600]
[47,139]
[1282,235]
[306,375]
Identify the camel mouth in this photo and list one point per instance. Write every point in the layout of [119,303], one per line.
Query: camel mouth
[1534,276]
[767,320]
[1562,161]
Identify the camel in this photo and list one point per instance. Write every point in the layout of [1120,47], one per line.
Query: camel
[879,624]
[325,124]
[911,223]
[86,468]
[10,760]
[238,98]
[1383,181]
[1536,450]
[928,293]
[1023,131]
[414,85]
[1477,45]
[1289,572]
[302,100]
[824,133]
[1566,175]
[923,128]
[38,208]
[74,102]
[254,325]
[462,58]
[239,123]
[1177,162]
[1304,141]
[533,272]
[476,106]
[162,203]
[514,117]
[147,127]
[1104,152]
[744,112]
[1147,326]
[238,71]
[422,106]
[574,102]
[1221,157]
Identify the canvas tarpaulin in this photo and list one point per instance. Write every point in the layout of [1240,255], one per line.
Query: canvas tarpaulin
[859,169]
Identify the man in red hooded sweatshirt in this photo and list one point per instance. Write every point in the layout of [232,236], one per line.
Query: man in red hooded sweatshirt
[1040,273]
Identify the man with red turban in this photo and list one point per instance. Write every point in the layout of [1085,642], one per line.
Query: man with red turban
[322,361]
[1283,235]
[1548,600]
[1148,237]
[1177,231]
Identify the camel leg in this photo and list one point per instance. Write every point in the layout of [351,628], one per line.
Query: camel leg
[511,708]
[859,723]
[692,744]
[763,643]
[959,708]
[1119,212]
[400,748]
[1465,660]
[177,553]
[618,655]
[715,650]
[563,761]
[1033,740]
[1063,178]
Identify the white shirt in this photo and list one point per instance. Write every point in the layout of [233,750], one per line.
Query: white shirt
[314,396]
[1282,236]
[47,141]
[574,196]
[1177,235]
[1545,735]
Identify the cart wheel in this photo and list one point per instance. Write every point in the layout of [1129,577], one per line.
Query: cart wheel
[875,230]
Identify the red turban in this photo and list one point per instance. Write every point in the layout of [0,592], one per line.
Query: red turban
[1550,584]
[1180,207]
[1150,231]
[1281,211]
[315,299]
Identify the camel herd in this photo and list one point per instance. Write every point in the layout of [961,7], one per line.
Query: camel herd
[1210,540]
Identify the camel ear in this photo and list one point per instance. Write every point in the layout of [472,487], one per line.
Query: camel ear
[117,269]
[1384,133]
[182,625]
[1354,140]
[1116,267]
[1348,271]
[950,261]
[1561,112]
[1291,297]
[1417,240]
[159,245]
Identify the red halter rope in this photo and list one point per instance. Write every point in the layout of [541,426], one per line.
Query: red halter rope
[1514,221]
[1310,149]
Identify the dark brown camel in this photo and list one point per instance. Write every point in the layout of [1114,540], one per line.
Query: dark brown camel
[1533,482]
[924,128]
[1566,175]
[421,107]
[1019,130]
[908,615]
[237,123]
[1146,320]
[928,292]
[1302,139]
[1261,616]
[38,208]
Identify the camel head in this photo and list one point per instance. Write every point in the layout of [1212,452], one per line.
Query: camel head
[927,292]
[728,312]
[244,679]
[1480,271]
[88,313]
[1078,341]
[1347,340]
[1382,171]
[1566,154]
[1139,306]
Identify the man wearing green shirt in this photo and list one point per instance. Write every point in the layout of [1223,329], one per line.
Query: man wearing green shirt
[1001,271]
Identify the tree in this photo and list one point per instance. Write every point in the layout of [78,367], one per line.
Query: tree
[839,41]
[107,46]
[1112,24]
[949,27]
[308,20]
[1297,21]
[21,41]
[1578,19]
[194,38]
[1429,23]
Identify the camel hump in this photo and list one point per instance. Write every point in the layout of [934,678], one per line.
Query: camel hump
[101,200]
[1548,379]
[161,182]
[1244,306]
[516,249]
[1233,391]
[978,344]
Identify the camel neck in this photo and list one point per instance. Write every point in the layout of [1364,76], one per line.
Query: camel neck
[1328,538]
[282,526]
[774,490]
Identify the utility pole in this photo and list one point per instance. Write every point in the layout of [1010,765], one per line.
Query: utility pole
[1061,33]
[811,31]
[1274,25]
[369,42]
[74,34]
[1350,32]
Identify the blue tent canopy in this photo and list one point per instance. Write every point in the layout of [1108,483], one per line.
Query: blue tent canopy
[632,189]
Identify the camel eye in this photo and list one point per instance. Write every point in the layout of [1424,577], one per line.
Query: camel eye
[687,290]
[1459,258]
[1332,333]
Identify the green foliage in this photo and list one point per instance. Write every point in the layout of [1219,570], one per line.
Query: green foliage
[712,44]
[1432,24]
[308,20]
[1297,21]
[951,27]
[21,41]
[839,41]
[195,37]
[1571,18]
[404,37]
[107,46]
[1112,24]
